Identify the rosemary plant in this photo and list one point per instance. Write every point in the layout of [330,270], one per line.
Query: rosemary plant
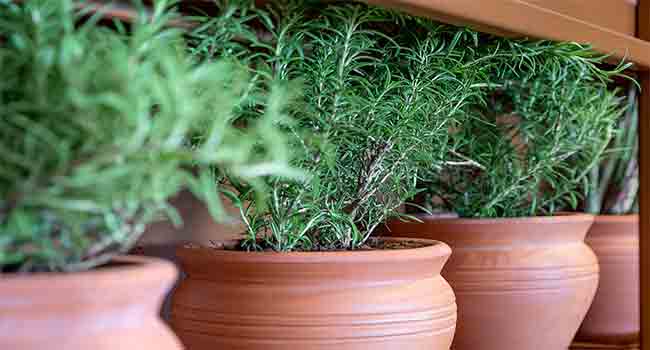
[614,184]
[375,108]
[528,148]
[99,128]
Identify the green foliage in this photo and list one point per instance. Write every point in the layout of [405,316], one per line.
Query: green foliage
[484,126]
[375,110]
[614,184]
[99,127]
[527,148]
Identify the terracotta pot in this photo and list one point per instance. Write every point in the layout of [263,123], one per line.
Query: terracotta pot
[108,308]
[520,284]
[352,300]
[614,315]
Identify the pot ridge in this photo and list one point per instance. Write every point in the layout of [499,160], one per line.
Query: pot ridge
[521,283]
[379,299]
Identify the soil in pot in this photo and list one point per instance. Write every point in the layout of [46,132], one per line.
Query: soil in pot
[344,300]
[520,284]
[109,308]
[614,315]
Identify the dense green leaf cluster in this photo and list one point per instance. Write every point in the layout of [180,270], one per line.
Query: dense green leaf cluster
[373,114]
[99,127]
[483,126]
[544,122]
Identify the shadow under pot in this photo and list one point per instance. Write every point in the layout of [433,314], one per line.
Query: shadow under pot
[614,315]
[111,307]
[520,283]
[344,300]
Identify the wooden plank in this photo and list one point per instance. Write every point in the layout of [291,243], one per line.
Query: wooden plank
[644,203]
[616,15]
[521,18]
[643,32]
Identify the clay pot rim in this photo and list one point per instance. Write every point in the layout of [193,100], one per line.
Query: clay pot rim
[435,249]
[527,220]
[131,267]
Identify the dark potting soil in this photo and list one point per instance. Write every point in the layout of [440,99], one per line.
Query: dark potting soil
[371,244]
[379,244]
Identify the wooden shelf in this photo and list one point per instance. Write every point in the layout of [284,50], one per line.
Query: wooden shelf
[530,19]
[615,15]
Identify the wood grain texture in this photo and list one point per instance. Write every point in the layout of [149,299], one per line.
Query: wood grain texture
[616,15]
[521,18]
[643,32]
[644,204]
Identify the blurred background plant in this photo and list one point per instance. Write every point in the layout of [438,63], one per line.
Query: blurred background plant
[101,125]
[614,184]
